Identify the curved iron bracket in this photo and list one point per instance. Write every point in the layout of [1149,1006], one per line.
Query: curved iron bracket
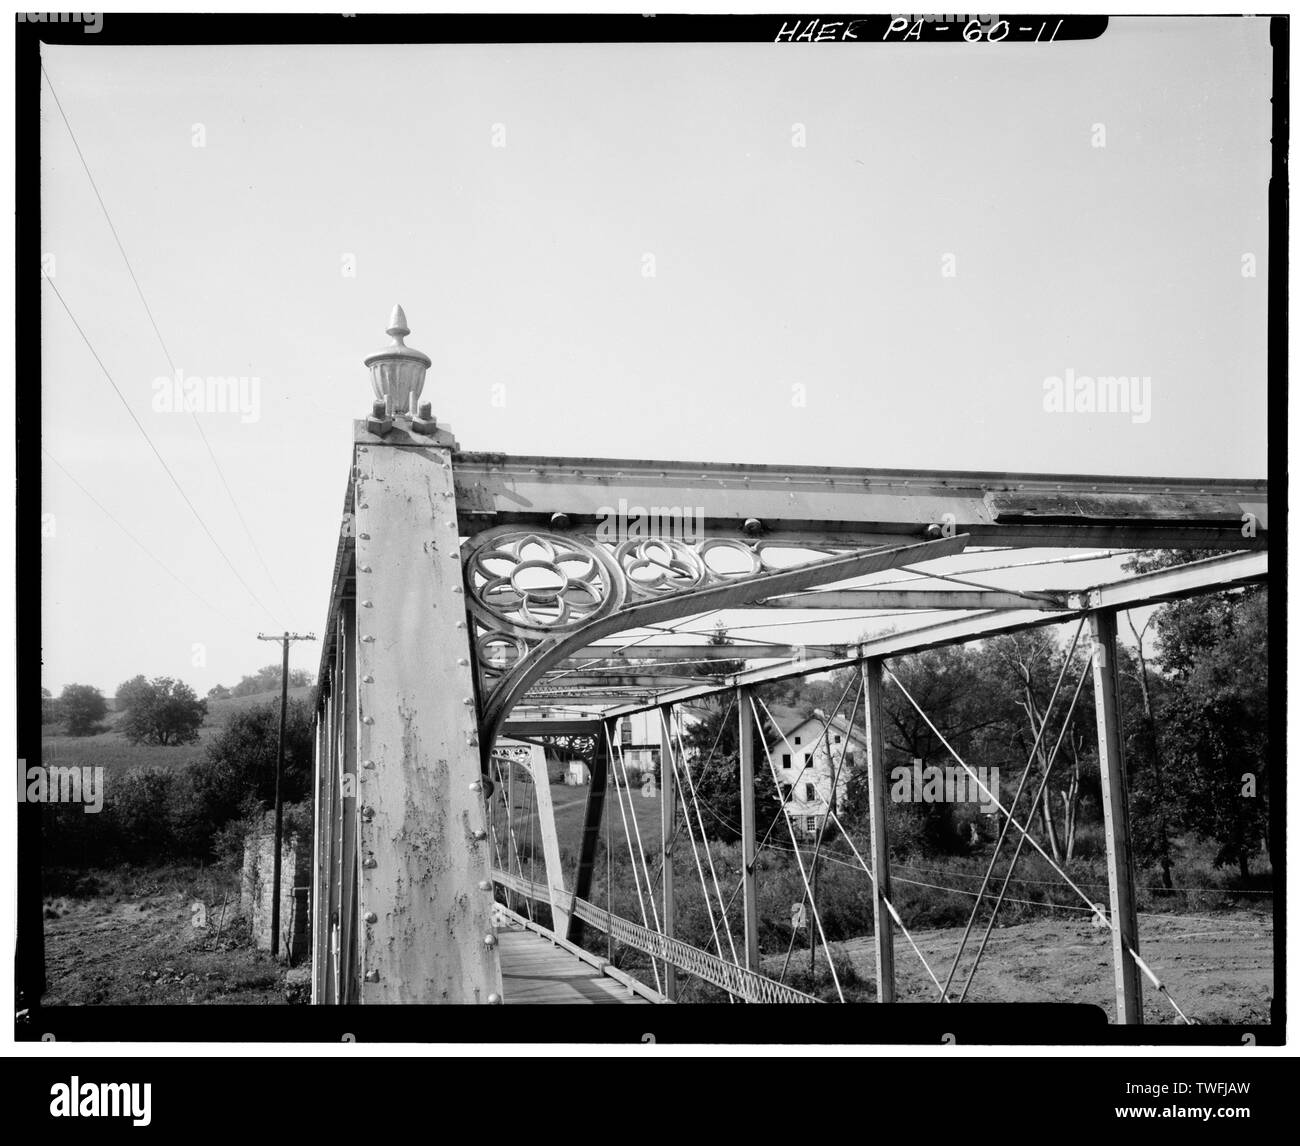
[536,597]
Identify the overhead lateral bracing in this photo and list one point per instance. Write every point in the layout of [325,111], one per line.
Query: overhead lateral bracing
[1213,573]
[859,600]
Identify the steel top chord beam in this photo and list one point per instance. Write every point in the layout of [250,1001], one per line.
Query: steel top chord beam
[866,506]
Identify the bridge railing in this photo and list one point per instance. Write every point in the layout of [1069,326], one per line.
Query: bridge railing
[738,981]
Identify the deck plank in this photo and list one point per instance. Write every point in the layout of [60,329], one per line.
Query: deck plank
[536,971]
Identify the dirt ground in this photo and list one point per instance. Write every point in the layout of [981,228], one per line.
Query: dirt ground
[147,950]
[1218,967]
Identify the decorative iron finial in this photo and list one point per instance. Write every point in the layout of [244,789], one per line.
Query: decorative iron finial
[397,372]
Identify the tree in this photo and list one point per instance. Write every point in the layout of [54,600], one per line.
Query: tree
[163,711]
[964,700]
[1030,662]
[714,743]
[720,669]
[130,690]
[1205,717]
[1216,728]
[267,679]
[49,707]
[1148,797]
[238,776]
[82,707]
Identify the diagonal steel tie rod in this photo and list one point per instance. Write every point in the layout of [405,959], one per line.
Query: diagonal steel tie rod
[1006,827]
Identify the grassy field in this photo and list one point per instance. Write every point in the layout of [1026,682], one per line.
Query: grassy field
[110,749]
[569,804]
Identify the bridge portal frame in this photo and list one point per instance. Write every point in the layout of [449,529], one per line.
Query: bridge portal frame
[411,704]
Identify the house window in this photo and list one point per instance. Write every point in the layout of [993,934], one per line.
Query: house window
[785,761]
[798,739]
[812,825]
[625,732]
[836,738]
[810,791]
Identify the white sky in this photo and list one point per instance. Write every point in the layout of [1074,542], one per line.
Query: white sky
[522,265]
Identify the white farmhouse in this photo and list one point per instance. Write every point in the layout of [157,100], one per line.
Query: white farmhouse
[809,751]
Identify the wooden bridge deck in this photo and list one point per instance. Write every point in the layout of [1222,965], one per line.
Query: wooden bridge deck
[534,970]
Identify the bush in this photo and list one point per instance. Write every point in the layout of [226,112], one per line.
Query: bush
[228,840]
[239,774]
[138,805]
[819,982]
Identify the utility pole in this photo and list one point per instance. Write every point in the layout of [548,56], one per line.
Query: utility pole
[284,638]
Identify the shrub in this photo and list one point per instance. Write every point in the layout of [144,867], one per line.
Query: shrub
[239,773]
[137,805]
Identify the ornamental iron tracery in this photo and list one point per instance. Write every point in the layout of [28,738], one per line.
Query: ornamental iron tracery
[533,583]
[527,589]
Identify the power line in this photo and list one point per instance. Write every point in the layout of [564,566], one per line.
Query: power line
[147,552]
[153,322]
[145,434]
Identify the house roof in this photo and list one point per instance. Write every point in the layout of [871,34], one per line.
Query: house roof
[791,720]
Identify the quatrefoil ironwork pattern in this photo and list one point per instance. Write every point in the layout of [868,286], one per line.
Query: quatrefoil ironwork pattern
[527,589]
[530,584]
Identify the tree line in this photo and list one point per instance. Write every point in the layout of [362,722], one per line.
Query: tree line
[155,814]
[161,711]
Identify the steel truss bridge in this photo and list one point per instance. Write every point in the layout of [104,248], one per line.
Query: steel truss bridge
[479,604]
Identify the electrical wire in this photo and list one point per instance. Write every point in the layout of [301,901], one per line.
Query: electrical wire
[166,468]
[140,544]
[153,322]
